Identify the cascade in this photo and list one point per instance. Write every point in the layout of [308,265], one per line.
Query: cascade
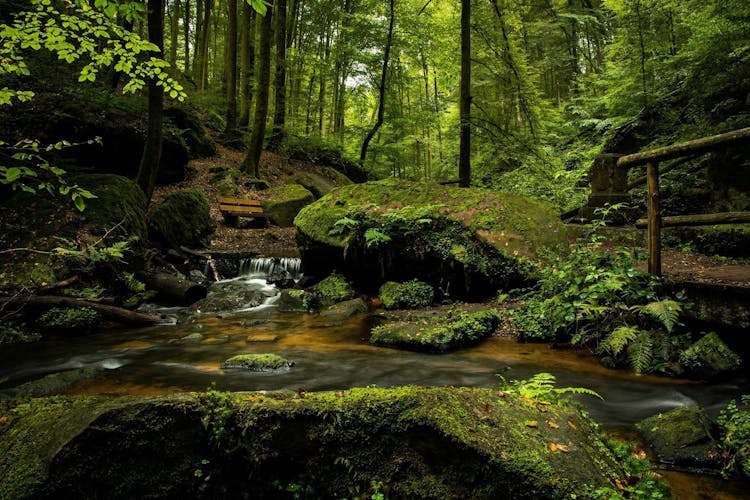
[271,266]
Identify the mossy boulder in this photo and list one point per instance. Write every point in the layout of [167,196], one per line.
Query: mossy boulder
[38,221]
[466,241]
[292,300]
[226,180]
[191,129]
[345,309]
[182,219]
[54,382]
[332,290]
[410,295]
[682,437]
[283,203]
[320,184]
[414,442]
[439,335]
[709,358]
[257,362]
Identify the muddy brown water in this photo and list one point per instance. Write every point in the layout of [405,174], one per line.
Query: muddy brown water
[334,354]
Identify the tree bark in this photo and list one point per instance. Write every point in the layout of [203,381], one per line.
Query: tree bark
[151,158]
[383,78]
[186,34]
[231,73]
[464,161]
[251,163]
[174,28]
[279,83]
[247,63]
[654,219]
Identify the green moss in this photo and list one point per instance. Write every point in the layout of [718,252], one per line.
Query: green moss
[69,320]
[409,295]
[182,219]
[283,203]
[405,442]
[257,362]
[225,180]
[710,358]
[683,437]
[332,290]
[440,335]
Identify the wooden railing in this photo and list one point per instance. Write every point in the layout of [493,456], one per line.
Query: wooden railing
[651,159]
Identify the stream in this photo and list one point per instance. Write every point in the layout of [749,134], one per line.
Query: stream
[334,354]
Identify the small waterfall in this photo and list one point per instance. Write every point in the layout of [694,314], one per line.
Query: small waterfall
[271,266]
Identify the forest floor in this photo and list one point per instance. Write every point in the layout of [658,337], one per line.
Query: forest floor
[254,237]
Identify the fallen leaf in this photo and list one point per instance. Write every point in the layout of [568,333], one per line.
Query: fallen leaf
[552,424]
[488,408]
[572,426]
[619,485]
[532,423]
[553,447]
[563,448]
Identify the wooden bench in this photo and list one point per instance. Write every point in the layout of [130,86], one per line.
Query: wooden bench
[234,208]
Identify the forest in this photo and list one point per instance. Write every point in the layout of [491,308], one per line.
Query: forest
[374,248]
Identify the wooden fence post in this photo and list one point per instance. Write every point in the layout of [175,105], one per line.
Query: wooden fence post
[654,218]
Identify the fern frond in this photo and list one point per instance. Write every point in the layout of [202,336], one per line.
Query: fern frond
[578,390]
[619,339]
[666,311]
[640,352]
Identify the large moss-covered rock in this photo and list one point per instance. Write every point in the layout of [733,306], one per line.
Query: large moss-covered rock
[682,437]
[196,137]
[182,219]
[436,335]
[414,442]
[465,241]
[257,362]
[38,221]
[409,295]
[283,203]
[332,290]
[709,358]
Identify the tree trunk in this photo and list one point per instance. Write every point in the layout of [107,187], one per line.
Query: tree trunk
[381,100]
[279,83]
[324,80]
[251,164]
[247,63]
[231,75]
[151,158]
[186,21]
[202,76]
[174,28]
[464,161]
[198,36]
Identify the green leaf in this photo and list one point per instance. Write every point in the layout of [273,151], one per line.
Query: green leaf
[79,202]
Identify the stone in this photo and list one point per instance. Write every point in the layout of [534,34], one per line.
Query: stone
[410,295]
[257,362]
[345,309]
[469,242]
[682,437]
[262,337]
[182,219]
[709,358]
[283,203]
[193,337]
[414,442]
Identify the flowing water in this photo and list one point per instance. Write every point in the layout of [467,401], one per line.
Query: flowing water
[334,354]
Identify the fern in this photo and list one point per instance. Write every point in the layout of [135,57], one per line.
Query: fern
[666,311]
[640,352]
[619,339]
[541,387]
[375,237]
[343,225]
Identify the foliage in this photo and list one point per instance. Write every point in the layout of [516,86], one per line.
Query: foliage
[75,319]
[734,422]
[14,333]
[541,387]
[331,290]
[597,298]
[642,484]
[409,295]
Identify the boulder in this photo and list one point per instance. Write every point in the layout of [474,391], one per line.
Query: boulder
[292,301]
[182,219]
[332,290]
[464,241]
[225,180]
[54,382]
[410,295]
[191,129]
[283,203]
[345,309]
[409,442]
[709,358]
[438,335]
[682,437]
[231,296]
[38,221]
[320,184]
[257,362]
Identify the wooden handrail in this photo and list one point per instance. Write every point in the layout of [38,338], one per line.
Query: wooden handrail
[699,219]
[684,148]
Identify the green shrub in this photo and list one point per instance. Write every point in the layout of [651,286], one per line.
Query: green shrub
[734,421]
[75,319]
[13,333]
[410,295]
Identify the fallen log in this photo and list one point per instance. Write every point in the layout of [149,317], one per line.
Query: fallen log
[108,312]
[700,219]
[176,290]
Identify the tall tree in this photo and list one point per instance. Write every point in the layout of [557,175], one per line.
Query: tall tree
[231,67]
[464,158]
[186,34]
[383,80]
[247,62]
[151,158]
[251,163]
[279,83]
